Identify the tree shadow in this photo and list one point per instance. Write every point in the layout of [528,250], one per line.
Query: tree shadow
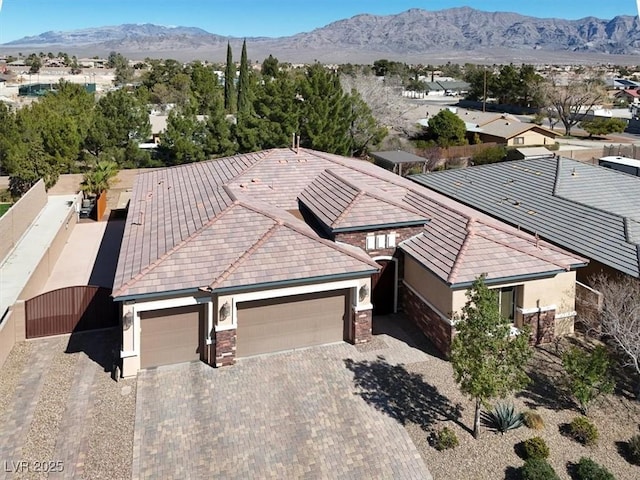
[512,473]
[546,388]
[572,470]
[401,394]
[625,452]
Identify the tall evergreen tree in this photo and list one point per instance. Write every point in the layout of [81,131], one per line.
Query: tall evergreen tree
[229,79]
[243,82]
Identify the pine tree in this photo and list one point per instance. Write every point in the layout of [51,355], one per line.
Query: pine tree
[229,79]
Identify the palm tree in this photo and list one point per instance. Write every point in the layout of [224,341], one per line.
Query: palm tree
[99,177]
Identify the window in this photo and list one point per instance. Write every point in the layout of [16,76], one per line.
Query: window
[381,241]
[371,242]
[518,141]
[507,302]
[391,240]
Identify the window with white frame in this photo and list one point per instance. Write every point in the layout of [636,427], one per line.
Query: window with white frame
[371,242]
[391,240]
[381,241]
[518,141]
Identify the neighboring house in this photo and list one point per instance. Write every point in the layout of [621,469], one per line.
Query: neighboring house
[629,95]
[158,122]
[590,210]
[514,133]
[286,248]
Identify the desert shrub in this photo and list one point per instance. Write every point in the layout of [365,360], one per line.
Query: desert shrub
[533,420]
[634,449]
[504,418]
[536,447]
[489,155]
[538,469]
[587,375]
[587,469]
[445,439]
[582,430]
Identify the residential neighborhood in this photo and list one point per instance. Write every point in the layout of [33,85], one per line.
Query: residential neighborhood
[244,268]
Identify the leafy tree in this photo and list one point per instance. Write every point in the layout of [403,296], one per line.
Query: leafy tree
[270,67]
[229,83]
[119,118]
[204,86]
[364,131]
[487,362]
[9,138]
[603,126]
[184,139]
[325,112]
[447,129]
[30,166]
[123,72]
[34,63]
[571,103]
[587,375]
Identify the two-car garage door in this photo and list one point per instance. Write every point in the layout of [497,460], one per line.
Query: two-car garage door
[274,325]
[175,335]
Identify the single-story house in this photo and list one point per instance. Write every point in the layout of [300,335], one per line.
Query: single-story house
[290,248]
[587,209]
[514,133]
[628,95]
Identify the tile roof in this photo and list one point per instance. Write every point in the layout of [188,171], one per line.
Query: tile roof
[587,209]
[509,129]
[457,247]
[343,205]
[224,223]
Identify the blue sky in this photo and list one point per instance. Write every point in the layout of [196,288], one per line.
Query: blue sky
[250,18]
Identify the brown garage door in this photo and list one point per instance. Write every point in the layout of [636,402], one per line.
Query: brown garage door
[275,325]
[171,335]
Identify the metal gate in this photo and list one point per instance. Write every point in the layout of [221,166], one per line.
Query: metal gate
[70,309]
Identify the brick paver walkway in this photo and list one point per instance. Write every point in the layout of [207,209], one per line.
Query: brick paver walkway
[291,415]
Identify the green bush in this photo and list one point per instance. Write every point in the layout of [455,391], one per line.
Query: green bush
[536,447]
[582,430]
[634,449]
[538,469]
[445,439]
[489,155]
[587,469]
[533,420]
[587,375]
[504,418]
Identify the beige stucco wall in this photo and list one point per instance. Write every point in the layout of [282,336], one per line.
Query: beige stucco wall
[7,336]
[17,219]
[430,287]
[531,137]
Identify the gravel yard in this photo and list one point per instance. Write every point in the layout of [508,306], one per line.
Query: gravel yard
[493,456]
[58,404]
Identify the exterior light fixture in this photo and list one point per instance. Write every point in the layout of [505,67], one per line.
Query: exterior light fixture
[127,320]
[363,292]
[225,310]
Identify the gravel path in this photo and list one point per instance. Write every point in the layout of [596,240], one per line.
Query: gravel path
[493,456]
[80,416]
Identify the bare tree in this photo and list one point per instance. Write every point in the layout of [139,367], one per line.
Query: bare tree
[573,101]
[620,316]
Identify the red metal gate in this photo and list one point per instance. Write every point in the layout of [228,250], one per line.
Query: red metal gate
[70,309]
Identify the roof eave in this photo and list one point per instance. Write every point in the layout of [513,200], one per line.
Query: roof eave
[511,279]
[146,296]
[380,226]
[292,282]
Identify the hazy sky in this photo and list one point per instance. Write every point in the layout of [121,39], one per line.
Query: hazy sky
[252,18]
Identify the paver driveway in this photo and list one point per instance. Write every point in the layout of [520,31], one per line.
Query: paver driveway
[291,415]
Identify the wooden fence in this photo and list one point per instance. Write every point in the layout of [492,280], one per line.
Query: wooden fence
[70,309]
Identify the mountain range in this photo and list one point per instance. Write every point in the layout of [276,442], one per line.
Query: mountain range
[456,34]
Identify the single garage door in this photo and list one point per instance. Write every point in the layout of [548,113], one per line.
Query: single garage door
[274,325]
[170,335]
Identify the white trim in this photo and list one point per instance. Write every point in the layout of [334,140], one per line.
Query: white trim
[566,315]
[209,323]
[429,304]
[363,307]
[527,311]
[395,280]
[127,354]
[223,328]
[300,290]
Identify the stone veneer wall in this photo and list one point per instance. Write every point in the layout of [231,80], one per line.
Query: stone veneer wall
[361,327]
[225,348]
[428,321]
[359,239]
[542,326]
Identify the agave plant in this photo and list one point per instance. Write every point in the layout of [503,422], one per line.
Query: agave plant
[504,418]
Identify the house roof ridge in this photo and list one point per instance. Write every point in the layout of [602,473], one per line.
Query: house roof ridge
[153,265]
[297,229]
[451,279]
[245,255]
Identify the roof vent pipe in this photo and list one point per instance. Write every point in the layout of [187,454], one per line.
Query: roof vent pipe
[298,144]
